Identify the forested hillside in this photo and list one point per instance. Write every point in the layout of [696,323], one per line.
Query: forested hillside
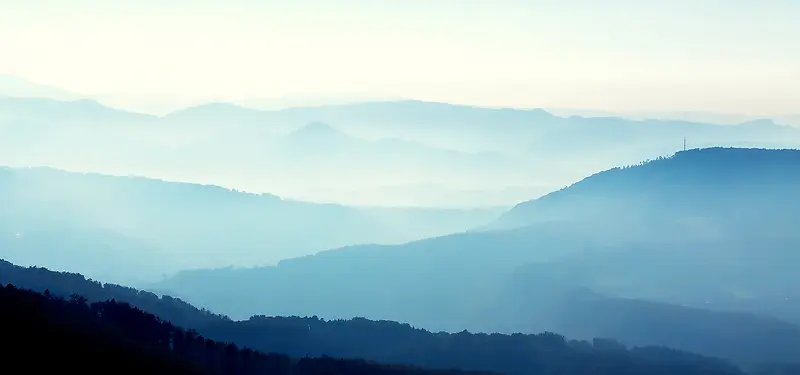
[706,236]
[103,337]
[385,341]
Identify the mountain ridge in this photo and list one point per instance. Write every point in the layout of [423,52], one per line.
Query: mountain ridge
[622,250]
[179,225]
[384,341]
[692,164]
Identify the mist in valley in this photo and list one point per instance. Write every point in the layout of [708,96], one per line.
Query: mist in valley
[609,199]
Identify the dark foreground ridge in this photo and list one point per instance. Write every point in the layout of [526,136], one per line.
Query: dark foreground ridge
[106,337]
[382,341]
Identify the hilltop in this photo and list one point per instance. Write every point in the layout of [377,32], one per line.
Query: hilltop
[622,235]
[717,181]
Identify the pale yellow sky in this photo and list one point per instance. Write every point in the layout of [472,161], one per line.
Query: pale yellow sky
[736,56]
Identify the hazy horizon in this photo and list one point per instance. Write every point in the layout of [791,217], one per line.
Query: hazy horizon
[466,187]
[160,105]
[733,57]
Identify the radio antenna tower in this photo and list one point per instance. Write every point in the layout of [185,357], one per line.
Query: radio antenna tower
[684,143]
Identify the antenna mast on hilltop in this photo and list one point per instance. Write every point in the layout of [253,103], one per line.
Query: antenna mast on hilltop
[684,143]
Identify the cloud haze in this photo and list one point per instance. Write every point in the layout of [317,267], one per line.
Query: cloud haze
[725,56]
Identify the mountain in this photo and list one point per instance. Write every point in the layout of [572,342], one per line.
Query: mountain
[49,112]
[395,143]
[132,224]
[318,136]
[436,195]
[12,86]
[439,297]
[46,335]
[388,342]
[218,113]
[529,138]
[271,153]
[440,125]
[90,339]
[534,132]
[692,116]
[549,303]
[46,131]
[321,153]
[723,217]
[745,182]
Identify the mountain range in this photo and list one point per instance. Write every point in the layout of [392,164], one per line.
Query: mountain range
[117,227]
[692,251]
[689,236]
[399,143]
[693,116]
[129,311]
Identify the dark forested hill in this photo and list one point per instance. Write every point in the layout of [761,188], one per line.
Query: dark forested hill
[103,337]
[47,335]
[382,341]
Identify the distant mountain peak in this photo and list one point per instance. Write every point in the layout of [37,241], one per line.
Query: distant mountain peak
[315,137]
[764,122]
[215,109]
[317,129]
[86,102]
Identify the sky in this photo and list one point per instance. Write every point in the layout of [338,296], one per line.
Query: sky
[739,56]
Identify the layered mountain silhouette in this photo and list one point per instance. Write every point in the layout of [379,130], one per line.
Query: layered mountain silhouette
[694,251]
[723,217]
[318,151]
[705,229]
[420,142]
[129,311]
[745,182]
[118,227]
[71,335]
[218,114]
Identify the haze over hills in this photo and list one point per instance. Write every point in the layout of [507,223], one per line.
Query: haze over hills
[392,342]
[163,105]
[723,217]
[307,100]
[400,188]
[12,86]
[199,144]
[742,172]
[692,116]
[318,151]
[124,228]
[71,331]
[411,143]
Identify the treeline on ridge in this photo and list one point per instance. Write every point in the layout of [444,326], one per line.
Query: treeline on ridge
[104,337]
[381,341]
